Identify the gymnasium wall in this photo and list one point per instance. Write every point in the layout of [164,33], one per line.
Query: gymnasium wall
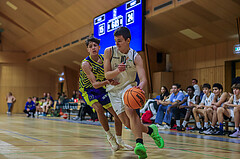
[207,64]
[71,80]
[17,76]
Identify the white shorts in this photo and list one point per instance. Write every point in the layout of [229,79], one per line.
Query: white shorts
[116,98]
[232,114]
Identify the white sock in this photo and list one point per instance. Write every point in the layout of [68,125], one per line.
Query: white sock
[198,125]
[108,133]
[212,126]
[237,128]
[206,124]
[178,122]
[184,123]
[119,139]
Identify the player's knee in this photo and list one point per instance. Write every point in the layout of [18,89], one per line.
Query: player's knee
[236,110]
[220,110]
[209,111]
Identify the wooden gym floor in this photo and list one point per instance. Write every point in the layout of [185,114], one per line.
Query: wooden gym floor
[56,138]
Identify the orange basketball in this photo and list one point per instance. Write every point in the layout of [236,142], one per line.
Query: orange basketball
[61,113]
[134,98]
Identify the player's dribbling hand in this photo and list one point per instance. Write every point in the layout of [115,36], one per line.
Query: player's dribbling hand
[121,67]
[139,88]
[113,82]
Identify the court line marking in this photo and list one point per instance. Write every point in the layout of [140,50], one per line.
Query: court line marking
[22,135]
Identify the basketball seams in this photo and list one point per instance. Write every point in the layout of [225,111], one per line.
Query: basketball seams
[143,96]
[127,98]
[133,98]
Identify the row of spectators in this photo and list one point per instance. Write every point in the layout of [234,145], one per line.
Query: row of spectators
[212,105]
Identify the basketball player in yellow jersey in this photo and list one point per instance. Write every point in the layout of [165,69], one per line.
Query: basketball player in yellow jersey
[121,63]
[92,88]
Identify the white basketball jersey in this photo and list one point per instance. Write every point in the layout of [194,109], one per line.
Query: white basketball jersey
[191,100]
[207,100]
[235,100]
[129,75]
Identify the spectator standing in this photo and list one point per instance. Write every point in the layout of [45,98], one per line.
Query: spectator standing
[10,100]
[196,87]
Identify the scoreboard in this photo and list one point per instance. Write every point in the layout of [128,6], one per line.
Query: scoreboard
[129,15]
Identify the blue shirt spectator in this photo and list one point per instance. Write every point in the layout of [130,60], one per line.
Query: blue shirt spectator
[180,96]
[30,105]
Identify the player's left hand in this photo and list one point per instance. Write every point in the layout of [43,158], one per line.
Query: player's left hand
[113,82]
[139,88]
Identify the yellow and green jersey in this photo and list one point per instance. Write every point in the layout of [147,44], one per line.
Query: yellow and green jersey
[97,70]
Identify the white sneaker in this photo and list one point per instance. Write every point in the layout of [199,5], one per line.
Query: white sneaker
[125,147]
[235,134]
[112,141]
[153,117]
[160,127]
[166,127]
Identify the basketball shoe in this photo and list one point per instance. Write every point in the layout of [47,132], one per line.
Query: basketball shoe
[112,141]
[156,137]
[124,147]
[140,150]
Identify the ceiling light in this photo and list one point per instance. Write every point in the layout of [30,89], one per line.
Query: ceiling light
[191,34]
[11,5]
[53,69]
[77,62]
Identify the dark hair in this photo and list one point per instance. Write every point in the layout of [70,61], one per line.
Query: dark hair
[218,85]
[29,97]
[166,92]
[125,32]
[191,88]
[206,85]
[92,39]
[177,85]
[236,85]
[10,93]
[195,80]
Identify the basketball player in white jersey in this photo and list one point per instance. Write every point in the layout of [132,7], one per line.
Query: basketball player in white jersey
[122,63]
[231,109]
[220,97]
[191,100]
[203,107]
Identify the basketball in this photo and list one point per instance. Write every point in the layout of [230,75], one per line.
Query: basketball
[61,113]
[134,98]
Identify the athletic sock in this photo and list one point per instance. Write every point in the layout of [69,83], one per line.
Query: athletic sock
[237,128]
[212,127]
[139,140]
[150,130]
[206,124]
[198,125]
[119,139]
[184,123]
[178,122]
[108,133]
